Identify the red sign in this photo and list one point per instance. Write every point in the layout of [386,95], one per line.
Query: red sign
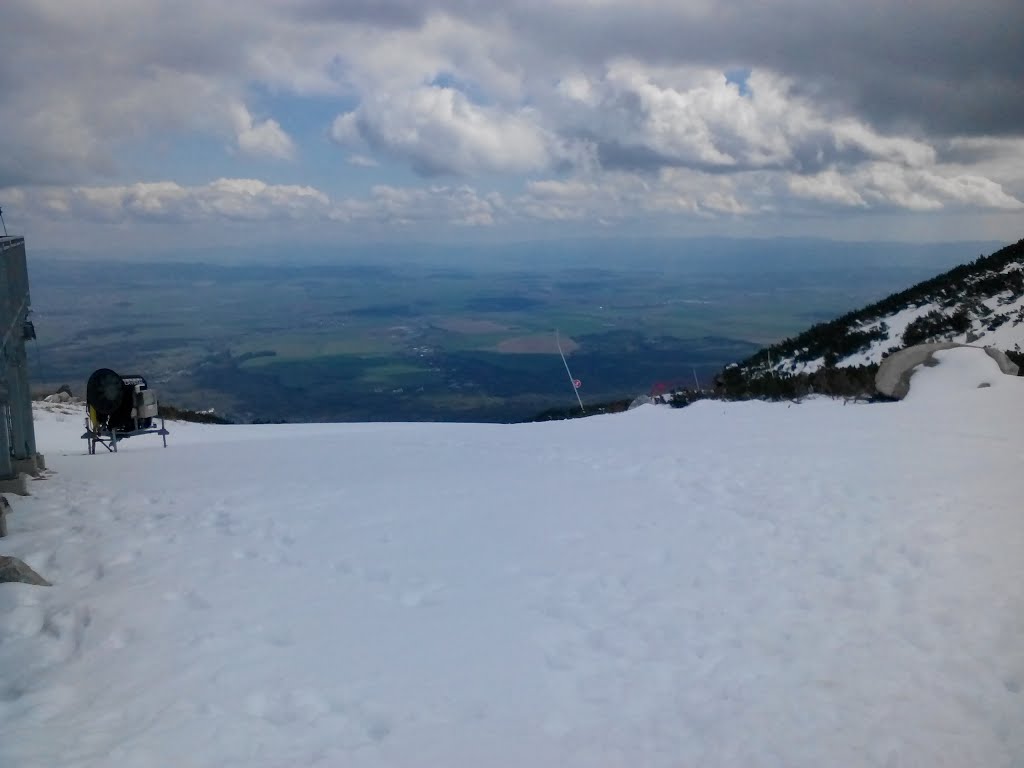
[577,383]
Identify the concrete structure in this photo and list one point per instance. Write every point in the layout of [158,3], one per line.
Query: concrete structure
[893,377]
[17,435]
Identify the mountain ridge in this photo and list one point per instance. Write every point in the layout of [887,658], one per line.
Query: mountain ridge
[979,302]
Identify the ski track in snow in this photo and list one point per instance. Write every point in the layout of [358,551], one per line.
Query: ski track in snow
[747,584]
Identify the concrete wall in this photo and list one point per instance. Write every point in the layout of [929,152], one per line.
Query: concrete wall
[17,436]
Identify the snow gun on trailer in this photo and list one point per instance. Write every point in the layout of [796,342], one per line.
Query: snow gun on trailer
[120,407]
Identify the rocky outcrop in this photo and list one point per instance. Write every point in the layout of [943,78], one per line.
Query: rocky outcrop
[13,569]
[893,377]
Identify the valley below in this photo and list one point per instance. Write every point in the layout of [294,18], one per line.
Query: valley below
[444,337]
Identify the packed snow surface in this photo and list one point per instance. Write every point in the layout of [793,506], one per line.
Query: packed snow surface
[745,584]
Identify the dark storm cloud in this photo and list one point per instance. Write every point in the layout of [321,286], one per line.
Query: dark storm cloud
[385,13]
[942,66]
[968,153]
[394,14]
[937,67]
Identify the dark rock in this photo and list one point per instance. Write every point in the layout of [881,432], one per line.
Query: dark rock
[5,509]
[13,569]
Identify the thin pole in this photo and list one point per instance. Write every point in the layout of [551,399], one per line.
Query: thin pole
[695,379]
[572,381]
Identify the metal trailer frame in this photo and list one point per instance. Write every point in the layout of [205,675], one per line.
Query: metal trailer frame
[109,438]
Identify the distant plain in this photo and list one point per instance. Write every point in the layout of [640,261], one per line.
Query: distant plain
[433,333]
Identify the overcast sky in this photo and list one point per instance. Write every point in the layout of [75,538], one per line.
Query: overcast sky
[135,121]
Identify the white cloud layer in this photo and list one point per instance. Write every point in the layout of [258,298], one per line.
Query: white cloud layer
[251,200]
[460,206]
[672,194]
[239,199]
[891,185]
[591,110]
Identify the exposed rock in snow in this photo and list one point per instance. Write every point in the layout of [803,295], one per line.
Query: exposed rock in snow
[13,569]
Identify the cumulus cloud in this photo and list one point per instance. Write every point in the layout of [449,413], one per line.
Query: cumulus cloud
[250,200]
[265,138]
[614,196]
[659,117]
[438,130]
[629,117]
[926,190]
[223,199]
[889,185]
[460,205]
[648,117]
[827,187]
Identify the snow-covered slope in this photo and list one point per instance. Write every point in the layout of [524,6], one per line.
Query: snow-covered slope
[731,584]
[980,303]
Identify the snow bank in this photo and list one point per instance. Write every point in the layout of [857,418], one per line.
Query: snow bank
[959,371]
[894,376]
[748,584]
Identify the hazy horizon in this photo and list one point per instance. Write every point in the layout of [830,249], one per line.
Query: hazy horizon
[569,246]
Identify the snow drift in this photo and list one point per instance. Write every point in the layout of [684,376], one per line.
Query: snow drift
[748,584]
[895,372]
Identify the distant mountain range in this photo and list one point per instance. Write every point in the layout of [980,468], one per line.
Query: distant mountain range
[981,302]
